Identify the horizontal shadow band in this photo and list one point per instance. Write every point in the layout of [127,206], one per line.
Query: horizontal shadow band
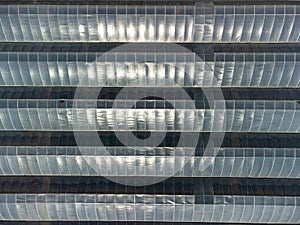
[171,186]
[198,48]
[232,139]
[110,93]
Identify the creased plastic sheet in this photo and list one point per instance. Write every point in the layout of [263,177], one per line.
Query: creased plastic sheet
[227,23]
[230,162]
[201,103]
[170,208]
[228,69]
[178,120]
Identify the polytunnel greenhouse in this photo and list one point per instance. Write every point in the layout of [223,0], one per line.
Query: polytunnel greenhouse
[149,112]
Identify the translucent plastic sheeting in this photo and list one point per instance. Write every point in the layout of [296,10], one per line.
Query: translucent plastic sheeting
[184,208]
[117,70]
[145,151]
[260,23]
[147,104]
[178,120]
[261,166]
